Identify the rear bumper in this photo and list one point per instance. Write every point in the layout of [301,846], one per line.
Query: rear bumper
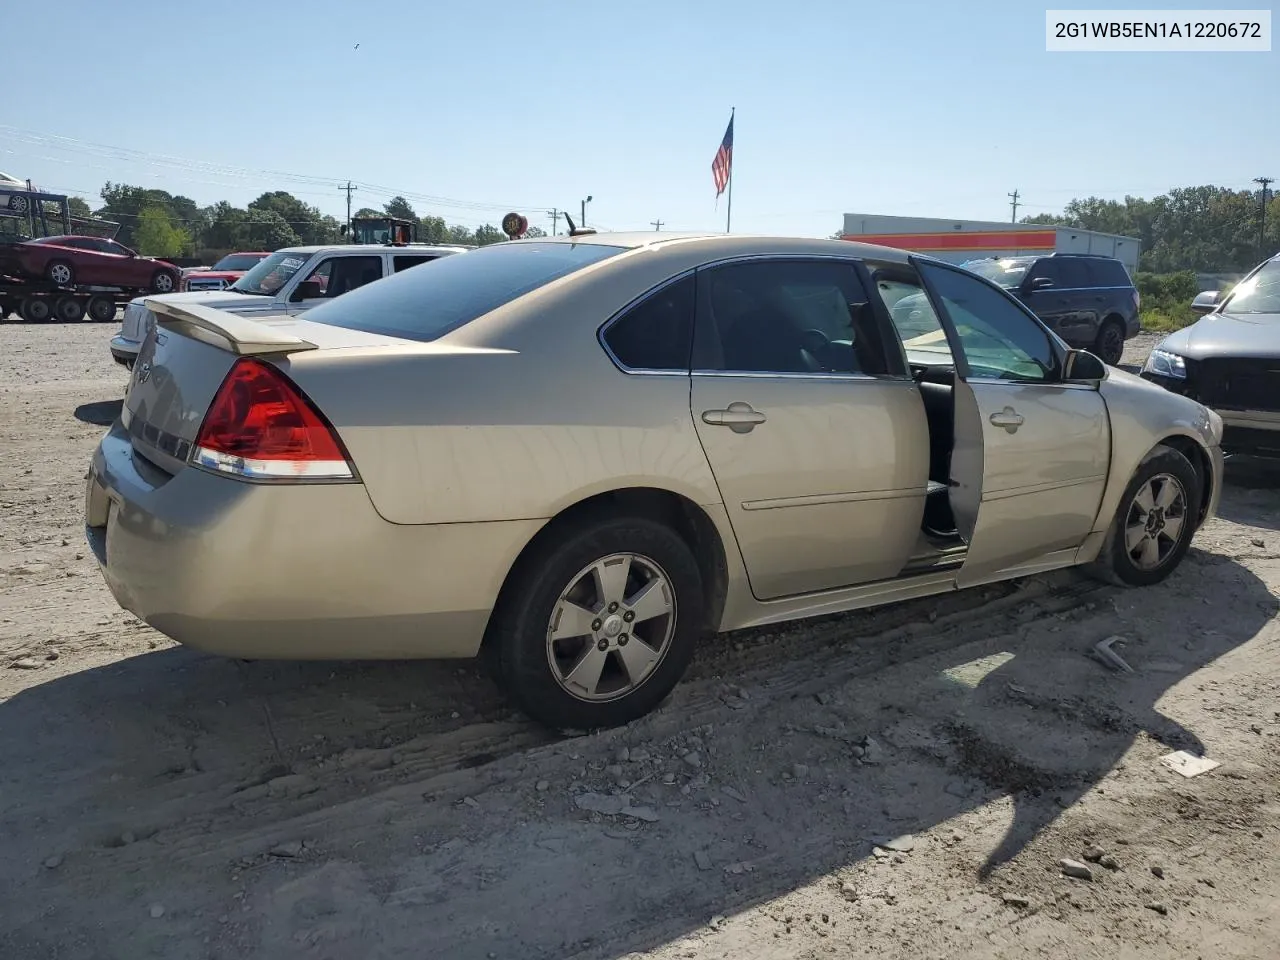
[288,572]
[123,351]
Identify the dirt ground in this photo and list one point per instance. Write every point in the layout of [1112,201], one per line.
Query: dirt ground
[900,783]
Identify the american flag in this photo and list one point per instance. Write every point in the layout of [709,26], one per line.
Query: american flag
[722,164]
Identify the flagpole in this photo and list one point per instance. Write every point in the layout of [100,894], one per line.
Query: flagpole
[728,217]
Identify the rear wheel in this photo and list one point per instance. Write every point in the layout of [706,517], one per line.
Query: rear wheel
[35,310]
[1155,522]
[61,273]
[597,627]
[68,310]
[163,282]
[101,309]
[1109,346]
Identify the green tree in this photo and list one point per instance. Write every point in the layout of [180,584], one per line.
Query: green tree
[433,230]
[79,208]
[488,234]
[306,222]
[156,236]
[267,230]
[459,234]
[399,207]
[534,233]
[366,212]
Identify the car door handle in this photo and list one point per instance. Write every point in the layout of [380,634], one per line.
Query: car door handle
[1008,418]
[738,417]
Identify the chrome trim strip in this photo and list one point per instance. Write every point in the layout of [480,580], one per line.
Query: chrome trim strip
[1042,488]
[818,499]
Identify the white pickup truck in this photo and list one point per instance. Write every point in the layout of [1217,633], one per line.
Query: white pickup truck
[288,282]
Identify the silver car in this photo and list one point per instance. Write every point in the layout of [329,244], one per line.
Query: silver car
[1229,359]
[578,456]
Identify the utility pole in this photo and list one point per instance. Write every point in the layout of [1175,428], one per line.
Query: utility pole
[657,224]
[349,189]
[1014,197]
[555,220]
[584,211]
[1263,182]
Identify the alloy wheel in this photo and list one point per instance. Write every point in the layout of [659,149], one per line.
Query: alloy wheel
[1155,520]
[611,627]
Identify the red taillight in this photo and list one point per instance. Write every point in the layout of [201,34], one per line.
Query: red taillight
[260,426]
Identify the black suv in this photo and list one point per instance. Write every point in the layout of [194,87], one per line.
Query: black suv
[1087,299]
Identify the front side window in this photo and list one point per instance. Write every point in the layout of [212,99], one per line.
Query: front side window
[339,275]
[787,316]
[998,339]
[656,333]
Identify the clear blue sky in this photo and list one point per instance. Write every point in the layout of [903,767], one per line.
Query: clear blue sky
[920,108]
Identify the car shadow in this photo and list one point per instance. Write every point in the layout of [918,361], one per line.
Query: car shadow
[134,770]
[1252,500]
[103,413]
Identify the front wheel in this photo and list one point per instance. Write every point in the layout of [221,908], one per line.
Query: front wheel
[163,282]
[597,627]
[1157,517]
[1109,346]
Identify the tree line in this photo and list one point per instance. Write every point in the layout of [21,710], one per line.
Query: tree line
[1202,229]
[157,223]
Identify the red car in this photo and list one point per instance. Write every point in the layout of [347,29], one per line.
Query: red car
[223,273]
[68,261]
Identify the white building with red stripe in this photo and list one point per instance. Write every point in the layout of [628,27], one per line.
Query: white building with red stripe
[960,240]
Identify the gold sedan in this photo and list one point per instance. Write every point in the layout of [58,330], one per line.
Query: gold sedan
[578,456]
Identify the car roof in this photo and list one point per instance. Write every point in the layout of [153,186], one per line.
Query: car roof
[714,245]
[371,248]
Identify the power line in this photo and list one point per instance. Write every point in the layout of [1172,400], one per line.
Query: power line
[207,168]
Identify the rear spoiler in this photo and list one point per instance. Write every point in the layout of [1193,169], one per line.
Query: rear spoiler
[241,335]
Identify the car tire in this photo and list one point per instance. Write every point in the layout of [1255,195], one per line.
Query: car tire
[68,310]
[1109,345]
[101,309]
[1166,480]
[35,310]
[162,281]
[18,203]
[61,273]
[550,583]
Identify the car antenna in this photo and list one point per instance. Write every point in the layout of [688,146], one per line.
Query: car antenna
[577,231]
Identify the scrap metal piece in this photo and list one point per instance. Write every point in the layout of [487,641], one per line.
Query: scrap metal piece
[1103,651]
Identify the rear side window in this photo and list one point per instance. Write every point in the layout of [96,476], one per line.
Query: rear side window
[656,333]
[404,263]
[1072,274]
[1108,273]
[427,304]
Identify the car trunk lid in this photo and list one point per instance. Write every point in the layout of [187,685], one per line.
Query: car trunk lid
[184,360]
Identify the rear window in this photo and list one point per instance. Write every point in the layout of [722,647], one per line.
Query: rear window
[425,304]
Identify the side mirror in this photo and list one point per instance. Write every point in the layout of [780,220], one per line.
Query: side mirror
[1041,283]
[1081,366]
[1205,302]
[306,290]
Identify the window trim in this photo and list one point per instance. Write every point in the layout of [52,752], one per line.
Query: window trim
[859,271]
[1057,346]
[625,311]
